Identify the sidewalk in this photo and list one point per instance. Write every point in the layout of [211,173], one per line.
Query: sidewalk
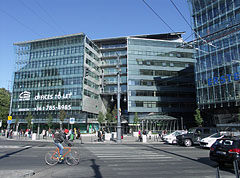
[92,139]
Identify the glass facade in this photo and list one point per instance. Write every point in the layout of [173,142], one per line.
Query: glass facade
[75,74]
[50,76]
[149,59]
[216,24]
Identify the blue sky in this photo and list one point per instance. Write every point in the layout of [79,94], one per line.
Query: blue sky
[24,20]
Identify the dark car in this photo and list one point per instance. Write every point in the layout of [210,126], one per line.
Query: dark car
[225,150]
[194,135]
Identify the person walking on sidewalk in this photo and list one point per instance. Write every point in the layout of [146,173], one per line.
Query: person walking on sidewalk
[139,135]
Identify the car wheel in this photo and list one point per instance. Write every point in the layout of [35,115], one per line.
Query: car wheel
[187,142]
[174,142]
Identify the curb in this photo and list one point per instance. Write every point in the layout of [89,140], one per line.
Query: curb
[16,173]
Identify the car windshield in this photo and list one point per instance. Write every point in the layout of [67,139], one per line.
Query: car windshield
[177,133]
[191,130]
[216,135]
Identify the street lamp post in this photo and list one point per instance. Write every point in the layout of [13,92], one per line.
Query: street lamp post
[118,101]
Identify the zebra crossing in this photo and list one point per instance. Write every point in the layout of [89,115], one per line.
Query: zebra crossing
[129,154]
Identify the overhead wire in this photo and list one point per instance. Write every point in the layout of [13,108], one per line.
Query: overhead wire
[183,42]
[49,15]
[190,24]
[36,14]
[21,23]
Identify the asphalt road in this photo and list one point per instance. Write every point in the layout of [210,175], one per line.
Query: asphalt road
[112,161]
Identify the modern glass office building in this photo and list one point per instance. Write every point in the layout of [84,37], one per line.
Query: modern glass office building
[217,25]
[158,56]
[53,74]
[75,74]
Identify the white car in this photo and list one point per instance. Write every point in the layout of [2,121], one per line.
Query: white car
[207,142]
[171,138]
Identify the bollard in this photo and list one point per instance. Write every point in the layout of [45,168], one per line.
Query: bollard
[217,172]
[235,164]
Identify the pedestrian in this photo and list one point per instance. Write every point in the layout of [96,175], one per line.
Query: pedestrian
[103,135]
[99,135]
[139,135]
[29,133]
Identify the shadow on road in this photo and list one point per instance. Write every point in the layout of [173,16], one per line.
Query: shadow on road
[15,152]
[203,160]
[95,167]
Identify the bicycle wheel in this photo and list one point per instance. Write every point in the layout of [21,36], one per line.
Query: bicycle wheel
[72,158]
[51,158]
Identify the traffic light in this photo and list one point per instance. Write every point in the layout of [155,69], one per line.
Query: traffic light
[86,72]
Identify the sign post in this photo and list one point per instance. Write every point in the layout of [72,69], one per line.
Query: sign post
[72,120]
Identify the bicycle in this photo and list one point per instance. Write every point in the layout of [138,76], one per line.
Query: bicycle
[72,157]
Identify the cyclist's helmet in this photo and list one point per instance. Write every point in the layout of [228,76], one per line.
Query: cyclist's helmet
[66,131]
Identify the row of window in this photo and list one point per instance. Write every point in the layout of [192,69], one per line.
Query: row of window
[90,63]
[158,72]
[49,72]
[113,79]
[113,45]
[94,56]
[114,61]
[93,45]
[48,83]
[114,70]
[162,54]
[171,83]
[58,42]
[162,63]
[157,104]
[162,94]
[91,84]
[113,53]
[219,93]
[229,56]
[54,62]
[56,52]
[90,94]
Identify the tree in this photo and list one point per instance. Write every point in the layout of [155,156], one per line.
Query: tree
[136,120]
[101,118]
[4,105]
[108,116]
[62,117]
[16,123]
[198,118]
[29,120]
[114,114]
[50,121]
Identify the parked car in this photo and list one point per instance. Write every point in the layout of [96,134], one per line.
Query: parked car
[224,149]
[207,142]
[171,138]
[194,135]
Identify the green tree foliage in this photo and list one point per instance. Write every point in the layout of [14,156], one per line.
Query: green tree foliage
[198,118]
[16,123]
[108,115]
[4,105]
[114,114]
[101,118]
[62,117]
[29,120]
[136,120]
[50,121]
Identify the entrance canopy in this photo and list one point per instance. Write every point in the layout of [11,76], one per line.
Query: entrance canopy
[158,117]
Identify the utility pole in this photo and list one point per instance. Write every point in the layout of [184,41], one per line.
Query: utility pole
[118,101]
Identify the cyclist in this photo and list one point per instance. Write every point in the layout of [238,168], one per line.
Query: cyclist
[60,137]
